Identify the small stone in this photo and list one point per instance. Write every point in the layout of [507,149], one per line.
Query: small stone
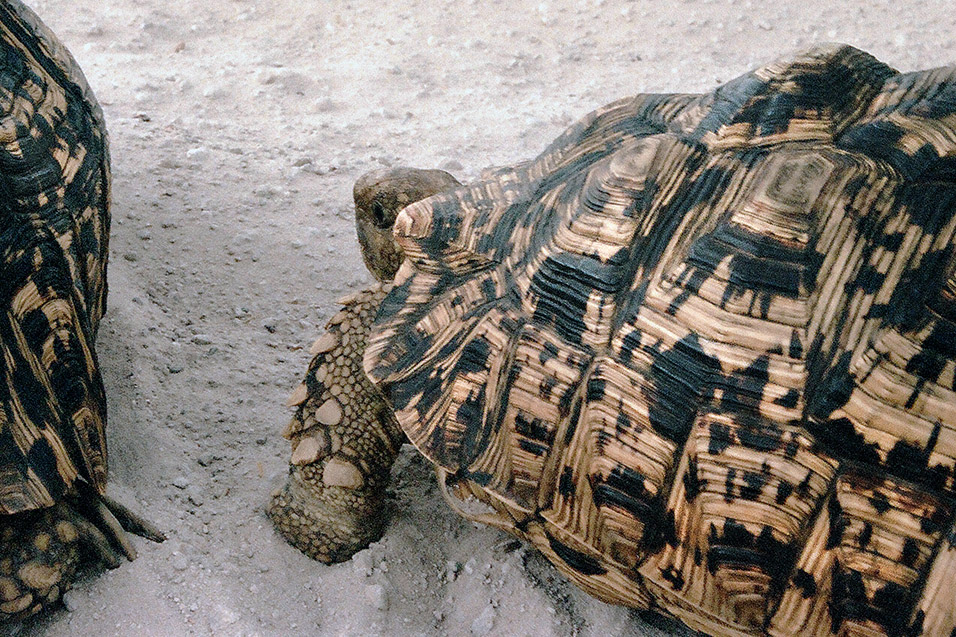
[180,482]
[324,105]
[451,570]
[180,563]
[375,593]
[267,77]
[174,369]
[267,191]
[200,153]
[362,563]
[213,92]
[201,339]
[71,600]
[484,622]
[206,459]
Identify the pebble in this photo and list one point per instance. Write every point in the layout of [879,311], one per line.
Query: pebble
[71,600]
[484,622]
[362,563]
[267,191]
[375,593]
[180,482]
[206,459]
[180,563]
[196,498]
[324,105]
[201,339]
[200,153]
[451,570]
[215,92]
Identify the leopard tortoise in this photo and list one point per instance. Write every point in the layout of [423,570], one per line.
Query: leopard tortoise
[54,227]
[700,353]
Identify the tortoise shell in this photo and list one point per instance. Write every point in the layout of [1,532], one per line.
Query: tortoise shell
[54,227]
[701,351]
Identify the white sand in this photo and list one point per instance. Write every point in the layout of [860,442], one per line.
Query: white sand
[238,127]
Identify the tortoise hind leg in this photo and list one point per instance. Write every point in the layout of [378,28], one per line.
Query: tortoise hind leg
[344,442]
[39,557]
[41,551]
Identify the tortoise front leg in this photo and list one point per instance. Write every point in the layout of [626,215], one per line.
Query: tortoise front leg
[344,442]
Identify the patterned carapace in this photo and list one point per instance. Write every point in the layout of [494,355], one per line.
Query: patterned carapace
[54,228]
[701,351]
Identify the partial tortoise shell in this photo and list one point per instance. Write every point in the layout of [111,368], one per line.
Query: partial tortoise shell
[701,351]
[54,228]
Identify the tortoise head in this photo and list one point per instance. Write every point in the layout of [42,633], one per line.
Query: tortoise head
[379,197]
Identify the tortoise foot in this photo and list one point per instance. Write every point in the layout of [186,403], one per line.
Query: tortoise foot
[327,523]
[40,552]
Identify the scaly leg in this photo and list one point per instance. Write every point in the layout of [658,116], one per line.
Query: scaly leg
[344,442]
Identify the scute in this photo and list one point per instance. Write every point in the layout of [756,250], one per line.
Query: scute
[54,224]
[702,350]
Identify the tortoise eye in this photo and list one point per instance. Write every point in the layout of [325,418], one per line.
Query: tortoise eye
[378,215]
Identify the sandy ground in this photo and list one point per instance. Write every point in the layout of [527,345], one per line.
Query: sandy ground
[238,127]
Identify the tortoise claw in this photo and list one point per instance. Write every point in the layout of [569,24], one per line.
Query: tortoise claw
[94,538]
[133,522]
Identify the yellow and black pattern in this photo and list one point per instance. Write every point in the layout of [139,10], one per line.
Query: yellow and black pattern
[702,350]
[54,227]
